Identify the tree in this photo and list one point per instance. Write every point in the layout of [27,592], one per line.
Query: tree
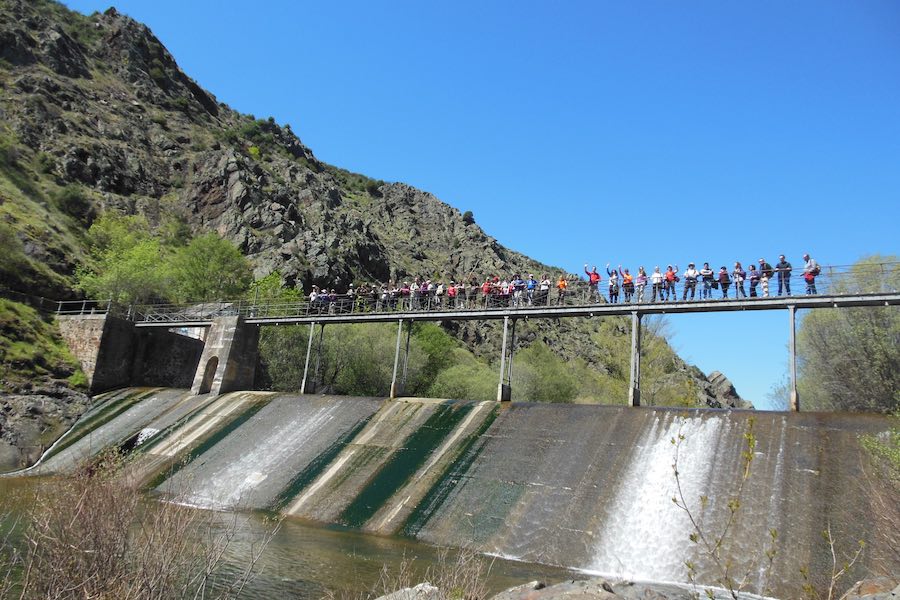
[126,262]
[849,358]
[209,268]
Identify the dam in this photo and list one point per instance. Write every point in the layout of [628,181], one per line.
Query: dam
[586,487]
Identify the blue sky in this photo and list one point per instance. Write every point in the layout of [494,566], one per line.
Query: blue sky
[639,133]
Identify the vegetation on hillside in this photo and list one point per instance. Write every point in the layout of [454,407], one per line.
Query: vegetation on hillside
[31,349]
[128,262]
[849,358]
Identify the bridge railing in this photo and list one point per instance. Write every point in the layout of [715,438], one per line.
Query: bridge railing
[834,280]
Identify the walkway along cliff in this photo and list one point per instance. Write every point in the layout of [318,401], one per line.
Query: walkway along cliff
[583,486]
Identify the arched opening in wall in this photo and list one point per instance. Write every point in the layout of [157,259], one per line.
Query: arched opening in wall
[208,374]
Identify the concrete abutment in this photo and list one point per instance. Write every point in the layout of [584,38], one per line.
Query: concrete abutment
[228,362]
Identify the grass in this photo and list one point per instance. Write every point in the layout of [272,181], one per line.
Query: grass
[31,347]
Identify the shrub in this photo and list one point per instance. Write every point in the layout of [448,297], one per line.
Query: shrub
[73,201]
[468,217]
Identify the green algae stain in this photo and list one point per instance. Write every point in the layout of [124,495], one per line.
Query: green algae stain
[104,414]
[317,466]
[470,450]
[403,464]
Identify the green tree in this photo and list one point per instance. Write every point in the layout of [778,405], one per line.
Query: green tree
[126,262]
[849,358]
[209,268]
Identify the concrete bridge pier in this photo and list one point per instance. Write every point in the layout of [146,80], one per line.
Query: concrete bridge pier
[307,387]
[396,385]
[228,361]
[792,345]
[504,389]
[634,389]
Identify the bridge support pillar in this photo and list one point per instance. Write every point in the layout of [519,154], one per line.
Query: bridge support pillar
[504,389]
[792,346]
[634,389]
[305,386]
[228,361]
[395,383]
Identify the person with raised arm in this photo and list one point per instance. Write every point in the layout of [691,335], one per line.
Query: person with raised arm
[671,276]
[593,283]
[613,285]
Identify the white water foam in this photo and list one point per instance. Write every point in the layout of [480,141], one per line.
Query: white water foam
[644,534]
[228,487]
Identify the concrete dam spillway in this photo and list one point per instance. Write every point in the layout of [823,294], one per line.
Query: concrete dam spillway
[582,486]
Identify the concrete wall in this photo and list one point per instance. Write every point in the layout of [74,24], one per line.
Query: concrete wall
[228,361]
[114,354]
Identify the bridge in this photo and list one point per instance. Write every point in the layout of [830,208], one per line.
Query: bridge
[232,324]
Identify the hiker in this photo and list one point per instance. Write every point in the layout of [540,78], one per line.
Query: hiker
[707,276]
[753,276]
[671,278]
[641,283]
[811,270]
[627,284]
[561,285]
[593,282]
[613,285]
[690,281]
[656,282]
[530,285]
[783,268]
[765,274]
[724,282]
[739,276]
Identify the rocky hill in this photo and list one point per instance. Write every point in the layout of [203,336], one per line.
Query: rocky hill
[96,115]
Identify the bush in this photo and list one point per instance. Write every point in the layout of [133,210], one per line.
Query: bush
[73,201]
[91,535]
[468,218]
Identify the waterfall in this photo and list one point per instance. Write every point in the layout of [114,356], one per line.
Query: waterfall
[644,534]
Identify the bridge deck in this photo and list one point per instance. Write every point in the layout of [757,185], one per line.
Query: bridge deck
[264,315]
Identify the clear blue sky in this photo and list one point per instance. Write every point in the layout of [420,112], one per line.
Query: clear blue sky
[625,132]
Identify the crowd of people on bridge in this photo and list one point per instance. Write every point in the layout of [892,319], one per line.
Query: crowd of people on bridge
[705,283]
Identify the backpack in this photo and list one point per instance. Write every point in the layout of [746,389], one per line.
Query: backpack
[816,270]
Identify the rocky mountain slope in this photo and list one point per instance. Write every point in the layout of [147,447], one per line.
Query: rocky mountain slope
[96,115]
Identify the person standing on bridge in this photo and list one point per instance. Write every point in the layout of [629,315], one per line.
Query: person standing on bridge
[656,281]
[784,268]
[753,278]
[671,279]
[561,285]
[627,283]
[765,274]
[739,276]
[613,285]
[530,285]
[593,283]
[641,283]
[707,276]
[690,281]
[810,272]
[724,282]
